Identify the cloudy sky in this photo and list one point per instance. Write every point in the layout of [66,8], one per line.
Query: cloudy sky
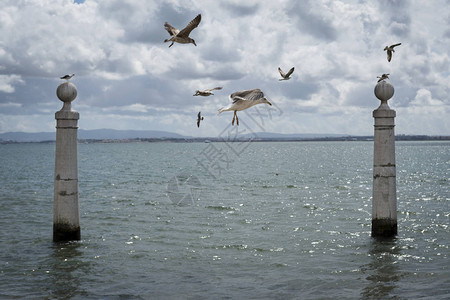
[128,78]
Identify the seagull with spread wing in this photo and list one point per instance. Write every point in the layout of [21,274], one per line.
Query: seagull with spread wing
[199,118]
[285,76]
[206,93]
[243,100]
[182,36]
[390,49]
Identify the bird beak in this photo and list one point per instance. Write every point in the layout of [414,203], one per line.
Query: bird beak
[269,103]
[194,43]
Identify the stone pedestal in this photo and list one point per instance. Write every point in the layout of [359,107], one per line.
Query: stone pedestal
[66,216]
[384,200]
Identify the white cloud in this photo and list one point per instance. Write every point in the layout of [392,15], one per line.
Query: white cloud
[136,107]
[124,70]
[10,104]
[424,98]
[7,83]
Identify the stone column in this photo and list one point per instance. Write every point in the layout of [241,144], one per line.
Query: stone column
[384,200]
[66,216]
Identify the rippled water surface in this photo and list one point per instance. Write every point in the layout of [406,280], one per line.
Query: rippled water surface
[225,220]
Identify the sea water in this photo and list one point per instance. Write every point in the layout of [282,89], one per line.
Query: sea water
[242,220]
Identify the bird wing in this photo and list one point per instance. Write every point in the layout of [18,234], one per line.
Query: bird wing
[216,88]
[248,95]
[290,72]
[281,72]
[383,76]
[170,29]
[389,55]
[395,45]
[199,118]
[192,24]
[237,99]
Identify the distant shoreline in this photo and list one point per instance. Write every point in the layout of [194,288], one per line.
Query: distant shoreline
[242,139]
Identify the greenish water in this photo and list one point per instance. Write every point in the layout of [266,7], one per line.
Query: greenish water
[225,220]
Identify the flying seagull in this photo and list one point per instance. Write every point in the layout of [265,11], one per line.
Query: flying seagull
[285,76]
[67,77]
[390,49]
[206,92]
[199,118]
[183,35]
[243,100]
[383,77]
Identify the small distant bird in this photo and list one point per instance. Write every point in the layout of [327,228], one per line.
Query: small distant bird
[243,100]
[285,76]
[182,36]
[199,118]
[206,92]
[390,49]
[383,77]
[67,77]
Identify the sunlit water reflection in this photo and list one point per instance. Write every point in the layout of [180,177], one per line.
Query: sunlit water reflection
[281,220]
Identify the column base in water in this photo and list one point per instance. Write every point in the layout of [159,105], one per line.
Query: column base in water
[65,233]
[384,228]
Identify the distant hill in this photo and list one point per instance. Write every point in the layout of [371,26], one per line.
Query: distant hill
[27,137]
[288,136]
[97,134]
[124,135]
[113,134]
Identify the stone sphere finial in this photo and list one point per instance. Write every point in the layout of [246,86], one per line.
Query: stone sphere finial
[384,91]
[66,92]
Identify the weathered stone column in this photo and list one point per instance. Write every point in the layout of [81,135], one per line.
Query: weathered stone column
[384,200]
[66,216]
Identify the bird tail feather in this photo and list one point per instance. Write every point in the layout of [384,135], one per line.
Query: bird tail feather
[221,110]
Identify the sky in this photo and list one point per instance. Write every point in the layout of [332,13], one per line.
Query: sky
[128,78]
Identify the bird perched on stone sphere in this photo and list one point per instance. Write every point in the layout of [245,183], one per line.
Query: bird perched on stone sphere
[67,77]
[383,77]
[390,49]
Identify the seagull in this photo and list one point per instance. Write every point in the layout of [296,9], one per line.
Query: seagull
[199,118]
[390,49]
[206,92]
[67,77]
[243,100]
[383,77]
[285,76]
[183,35]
